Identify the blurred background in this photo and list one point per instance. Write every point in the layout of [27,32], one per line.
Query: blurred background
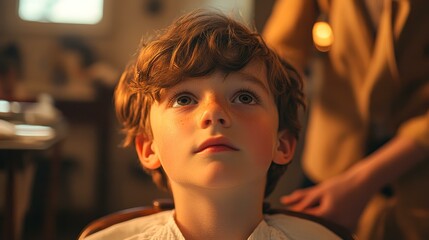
[60,60]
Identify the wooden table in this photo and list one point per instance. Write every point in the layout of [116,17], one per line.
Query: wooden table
[11,151]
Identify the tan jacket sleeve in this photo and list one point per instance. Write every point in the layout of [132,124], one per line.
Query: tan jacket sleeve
[417,128]
[288,30]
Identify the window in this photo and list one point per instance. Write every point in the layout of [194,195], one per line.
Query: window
[61,11]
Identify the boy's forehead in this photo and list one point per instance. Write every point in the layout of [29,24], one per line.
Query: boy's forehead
[255,71]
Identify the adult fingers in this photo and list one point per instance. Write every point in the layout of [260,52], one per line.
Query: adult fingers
[302,200]
[292,198]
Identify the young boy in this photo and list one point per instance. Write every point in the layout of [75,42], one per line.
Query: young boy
[213,114]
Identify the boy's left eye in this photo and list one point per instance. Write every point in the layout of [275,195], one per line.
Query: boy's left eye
[245,97]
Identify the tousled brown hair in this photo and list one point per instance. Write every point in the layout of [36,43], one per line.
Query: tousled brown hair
[196,45]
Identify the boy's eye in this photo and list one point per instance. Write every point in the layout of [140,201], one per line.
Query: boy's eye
[245,97]
[183,100]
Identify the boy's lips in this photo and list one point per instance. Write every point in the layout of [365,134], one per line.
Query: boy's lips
[216,145]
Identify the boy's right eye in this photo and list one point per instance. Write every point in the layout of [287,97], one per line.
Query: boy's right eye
[182,100]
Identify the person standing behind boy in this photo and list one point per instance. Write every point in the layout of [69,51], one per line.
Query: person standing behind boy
[367,142]
[213,114]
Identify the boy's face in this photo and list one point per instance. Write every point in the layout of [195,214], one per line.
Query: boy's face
[216,131]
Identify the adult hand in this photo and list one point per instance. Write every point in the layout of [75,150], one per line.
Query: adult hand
[343,198]
[340,199]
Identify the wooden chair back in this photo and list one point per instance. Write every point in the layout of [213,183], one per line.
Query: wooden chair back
[167,204]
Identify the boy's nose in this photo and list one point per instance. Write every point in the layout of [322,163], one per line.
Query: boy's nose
[213,114]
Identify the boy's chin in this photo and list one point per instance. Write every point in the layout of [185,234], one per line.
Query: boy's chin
[221,179]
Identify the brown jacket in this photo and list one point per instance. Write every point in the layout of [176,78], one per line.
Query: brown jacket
[374,84]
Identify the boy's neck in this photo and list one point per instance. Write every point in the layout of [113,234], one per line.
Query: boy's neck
[202,214]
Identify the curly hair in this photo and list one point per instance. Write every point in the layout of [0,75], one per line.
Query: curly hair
[195,45]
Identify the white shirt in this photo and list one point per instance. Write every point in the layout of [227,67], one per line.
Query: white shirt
[162,226]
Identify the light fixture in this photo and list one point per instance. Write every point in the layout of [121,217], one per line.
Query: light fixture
[323,37]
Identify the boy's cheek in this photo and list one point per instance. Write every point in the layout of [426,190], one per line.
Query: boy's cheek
[262,142]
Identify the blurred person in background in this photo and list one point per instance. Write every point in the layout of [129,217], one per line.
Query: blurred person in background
[367,141]
[10,72]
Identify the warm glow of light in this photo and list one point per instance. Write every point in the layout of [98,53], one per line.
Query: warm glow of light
[323,36]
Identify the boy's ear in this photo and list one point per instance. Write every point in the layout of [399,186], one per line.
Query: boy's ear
[146,153]
[286,144]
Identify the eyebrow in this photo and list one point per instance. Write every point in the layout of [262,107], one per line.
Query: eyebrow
[252,79]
